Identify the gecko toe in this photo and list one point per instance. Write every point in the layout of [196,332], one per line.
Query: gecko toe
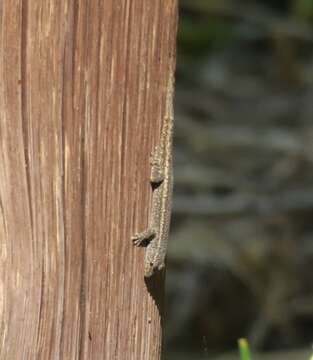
[137,239]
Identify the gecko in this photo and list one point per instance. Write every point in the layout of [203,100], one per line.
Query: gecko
[161,179]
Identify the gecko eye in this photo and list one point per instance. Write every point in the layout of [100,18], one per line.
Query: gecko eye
[151,264]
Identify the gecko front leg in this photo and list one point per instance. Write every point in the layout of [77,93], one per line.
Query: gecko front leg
[144,237]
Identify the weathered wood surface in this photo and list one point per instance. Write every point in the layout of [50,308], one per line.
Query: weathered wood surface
[82,93]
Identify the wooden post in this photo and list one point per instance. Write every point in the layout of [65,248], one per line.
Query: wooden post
[82,93]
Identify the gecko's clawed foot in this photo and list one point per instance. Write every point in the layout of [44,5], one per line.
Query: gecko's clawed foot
[144,237]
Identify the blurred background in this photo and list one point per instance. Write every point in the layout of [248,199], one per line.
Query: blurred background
[240,258]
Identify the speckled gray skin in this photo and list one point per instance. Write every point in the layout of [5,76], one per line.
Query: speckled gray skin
[161,179]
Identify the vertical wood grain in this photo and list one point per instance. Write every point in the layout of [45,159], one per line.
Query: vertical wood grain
[82,93]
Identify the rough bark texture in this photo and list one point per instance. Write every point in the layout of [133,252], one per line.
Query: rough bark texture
[82,93]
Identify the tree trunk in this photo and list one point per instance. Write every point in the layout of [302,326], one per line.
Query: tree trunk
[82,93]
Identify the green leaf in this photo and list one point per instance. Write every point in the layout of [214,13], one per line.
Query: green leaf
[244,349]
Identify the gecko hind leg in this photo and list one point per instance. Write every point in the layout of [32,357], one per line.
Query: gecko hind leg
[157,173]
[144,237]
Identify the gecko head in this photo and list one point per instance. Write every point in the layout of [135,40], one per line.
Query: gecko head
[150,268]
